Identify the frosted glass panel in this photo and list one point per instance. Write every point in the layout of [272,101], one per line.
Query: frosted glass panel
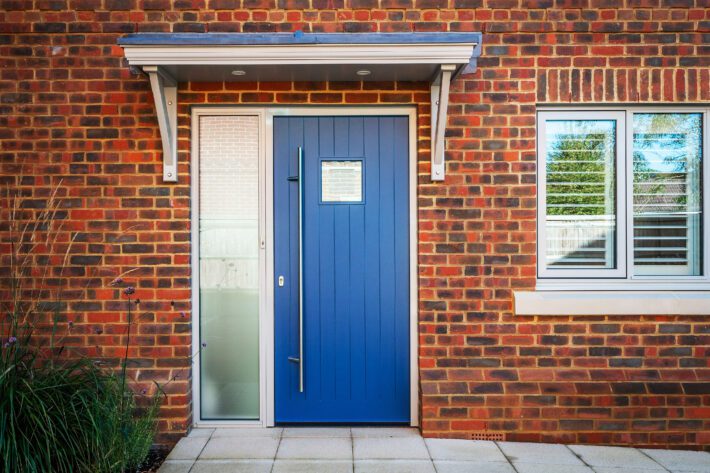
[229,267]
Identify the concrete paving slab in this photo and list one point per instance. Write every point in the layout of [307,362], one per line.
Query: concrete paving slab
[550,468]
[614,457]
[324,432]
[270,432]
[525,452]
[464,450]
[390,448]
[234,448]
[187,448]
[378,432]
[176,466]
[607,469]
[681,460]
[394,466]
[315,448]
[194,433]
[312,466]
[472,467]
[232,466]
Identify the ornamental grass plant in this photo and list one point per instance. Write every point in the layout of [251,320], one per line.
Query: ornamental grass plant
[60,411]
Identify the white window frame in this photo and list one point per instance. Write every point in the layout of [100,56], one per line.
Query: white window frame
[620,195]
[586,280]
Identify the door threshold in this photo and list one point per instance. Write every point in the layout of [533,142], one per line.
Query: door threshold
[228,424]
[343,424]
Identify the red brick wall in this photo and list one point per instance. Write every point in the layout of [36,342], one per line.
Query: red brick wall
[71,110]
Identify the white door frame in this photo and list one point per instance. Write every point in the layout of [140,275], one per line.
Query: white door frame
[266,253]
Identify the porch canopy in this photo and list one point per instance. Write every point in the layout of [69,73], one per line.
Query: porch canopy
[169,58]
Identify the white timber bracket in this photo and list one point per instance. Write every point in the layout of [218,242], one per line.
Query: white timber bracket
[164,88]
[439,108]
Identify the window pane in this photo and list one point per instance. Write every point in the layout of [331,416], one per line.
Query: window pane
[667,193]
[580,223]
[229,266]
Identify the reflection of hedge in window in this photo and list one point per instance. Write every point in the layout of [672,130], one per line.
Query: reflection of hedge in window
[580,171]
[580,188]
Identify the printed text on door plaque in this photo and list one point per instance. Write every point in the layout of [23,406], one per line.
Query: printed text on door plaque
[341,181]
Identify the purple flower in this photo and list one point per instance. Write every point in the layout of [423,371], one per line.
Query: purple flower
[5,345]
[182,314]
[143,391]
[117,281]
[12,340]
[98,331]
[130,290]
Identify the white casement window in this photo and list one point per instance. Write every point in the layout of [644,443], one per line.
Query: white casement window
[621,198]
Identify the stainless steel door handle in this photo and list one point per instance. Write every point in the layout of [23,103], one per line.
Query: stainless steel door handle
[301,183]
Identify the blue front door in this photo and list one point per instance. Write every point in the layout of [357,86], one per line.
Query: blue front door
[342,331]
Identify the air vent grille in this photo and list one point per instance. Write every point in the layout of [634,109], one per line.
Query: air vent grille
[495,436]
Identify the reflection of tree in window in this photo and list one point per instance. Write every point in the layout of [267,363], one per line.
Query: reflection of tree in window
[580,193]
[577,175]
[667,194]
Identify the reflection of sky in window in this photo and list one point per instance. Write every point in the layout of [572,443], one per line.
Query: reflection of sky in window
[663,152]
[667,142]
[564,130]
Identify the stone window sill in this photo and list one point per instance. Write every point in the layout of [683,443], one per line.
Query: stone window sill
[611,303]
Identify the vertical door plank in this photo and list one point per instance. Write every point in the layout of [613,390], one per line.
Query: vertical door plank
[326,275]
[387,251]
[311,264]
[341,288]
[401,255]
[356,296]
[372,257]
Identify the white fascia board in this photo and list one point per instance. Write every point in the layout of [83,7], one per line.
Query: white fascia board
[156,55]
[580,303]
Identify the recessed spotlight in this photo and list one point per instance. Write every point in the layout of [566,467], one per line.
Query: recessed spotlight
[238,72]
[363,72]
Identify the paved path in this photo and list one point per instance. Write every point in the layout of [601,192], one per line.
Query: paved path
[401,450]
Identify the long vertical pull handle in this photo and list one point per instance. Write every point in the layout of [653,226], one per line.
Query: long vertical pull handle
[301,183]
